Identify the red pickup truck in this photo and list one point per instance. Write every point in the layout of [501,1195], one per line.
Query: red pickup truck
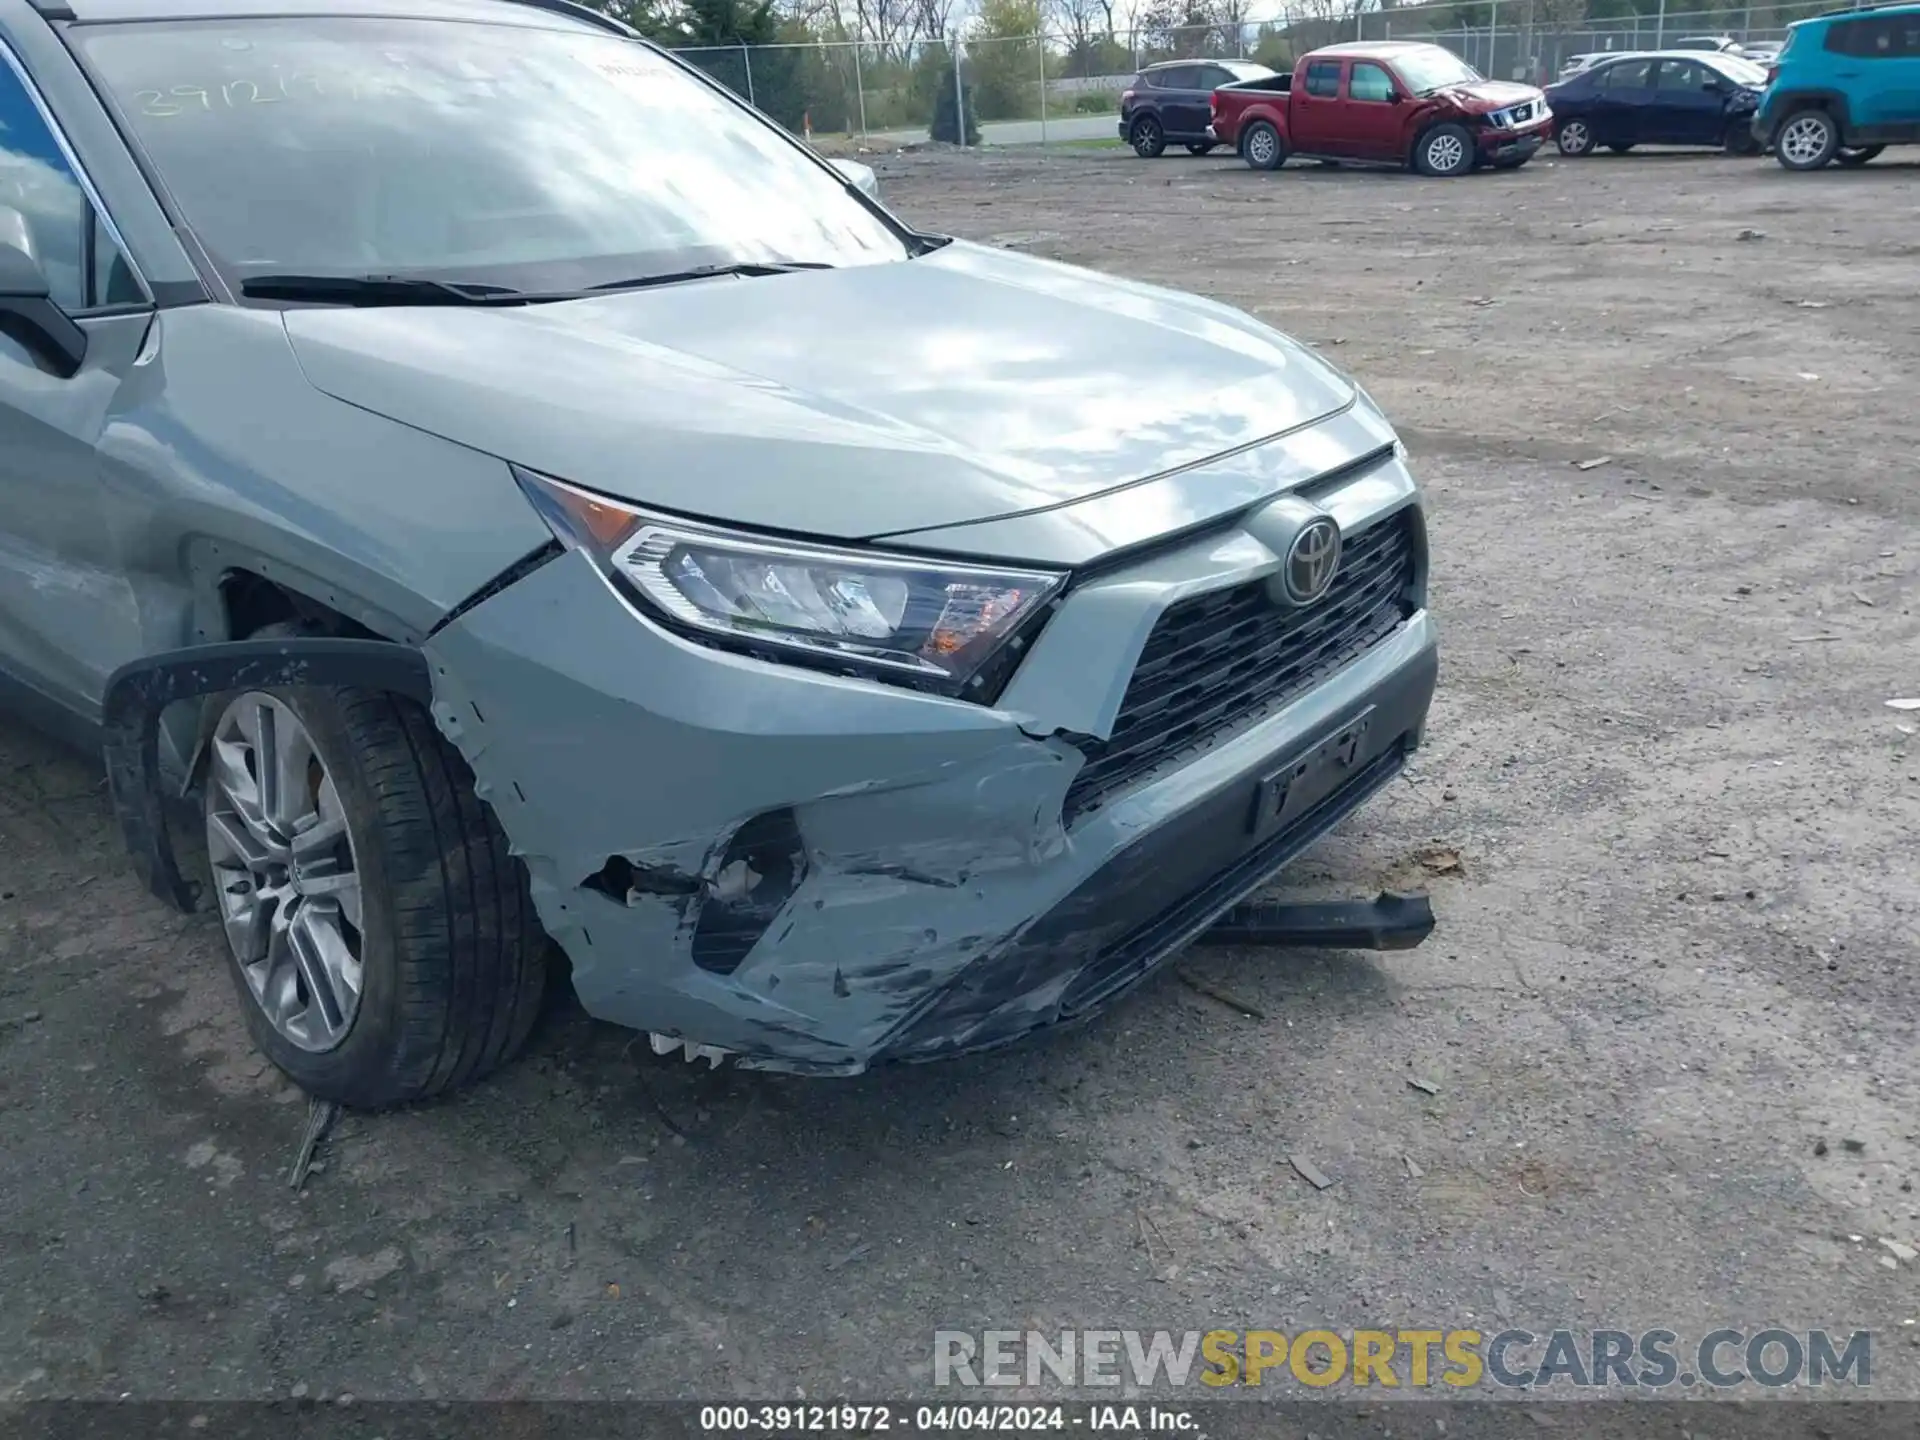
[1395,102]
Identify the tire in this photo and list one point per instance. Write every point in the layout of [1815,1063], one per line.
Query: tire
[1806,140]
[1202,149]
[450,957]
[1149,141]
[1574,137]
[1857,154]
[1262,148]
[1620,149]
[1739,139]
[1444,151]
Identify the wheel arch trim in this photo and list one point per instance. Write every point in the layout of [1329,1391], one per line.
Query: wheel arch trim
[138,693]
[1783,107]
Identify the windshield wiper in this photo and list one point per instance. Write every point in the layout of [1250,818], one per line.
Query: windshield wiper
[383,290]
[419,290]
[707,272]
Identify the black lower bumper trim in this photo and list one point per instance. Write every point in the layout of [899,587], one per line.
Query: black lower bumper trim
[1388,922]
[1144,908]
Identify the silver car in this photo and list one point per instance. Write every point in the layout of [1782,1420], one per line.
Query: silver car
[506,491]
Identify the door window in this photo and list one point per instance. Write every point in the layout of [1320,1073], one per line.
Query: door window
[1627,75]
[1681,77]
[1878,38]
[1176,77]
[84,268]
[1323,79]
[1369,82]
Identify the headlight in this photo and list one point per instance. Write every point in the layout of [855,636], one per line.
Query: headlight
[931,624]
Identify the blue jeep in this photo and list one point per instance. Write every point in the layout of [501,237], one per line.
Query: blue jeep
[1846,86]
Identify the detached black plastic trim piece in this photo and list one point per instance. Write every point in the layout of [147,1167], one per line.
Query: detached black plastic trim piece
[1389,922]
[140,692]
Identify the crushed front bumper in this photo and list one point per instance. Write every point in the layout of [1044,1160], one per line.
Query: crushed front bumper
[1499,144]
[817,873]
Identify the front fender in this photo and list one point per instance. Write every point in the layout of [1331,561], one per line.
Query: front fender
[138,694]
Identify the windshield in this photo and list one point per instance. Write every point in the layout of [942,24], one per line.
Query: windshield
[1743,72]
[536,159]
[1431,68]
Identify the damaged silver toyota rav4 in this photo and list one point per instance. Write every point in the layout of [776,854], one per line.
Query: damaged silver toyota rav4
[514,493]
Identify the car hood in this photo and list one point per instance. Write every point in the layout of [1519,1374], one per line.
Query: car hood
[1489,94]
[967,384]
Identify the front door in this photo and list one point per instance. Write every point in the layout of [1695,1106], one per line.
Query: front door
[67,615]
[1314,109]
[1689,105]
[1373,117]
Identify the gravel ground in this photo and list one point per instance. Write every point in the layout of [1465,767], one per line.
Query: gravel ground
[1666,815]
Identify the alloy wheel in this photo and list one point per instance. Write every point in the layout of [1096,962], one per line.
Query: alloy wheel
[1445,153]
[1573,138]
[1260,146]
[1804,139]
[285,872]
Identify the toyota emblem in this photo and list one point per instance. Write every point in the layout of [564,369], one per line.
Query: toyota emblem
[1312,560]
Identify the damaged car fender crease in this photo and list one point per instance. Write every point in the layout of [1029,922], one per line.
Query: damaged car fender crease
[934,878]
[617,591]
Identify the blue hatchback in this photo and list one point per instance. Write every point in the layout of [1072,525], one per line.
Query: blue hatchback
[1846,87]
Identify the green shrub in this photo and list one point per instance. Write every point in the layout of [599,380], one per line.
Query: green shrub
[944,126]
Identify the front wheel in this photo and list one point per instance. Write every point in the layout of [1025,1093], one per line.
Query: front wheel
[1575,138]
[1739,139]
[380,935]
[1444,151]
[1147,138]
[1857,154]
[1806,140]
[1202,149]
[1262,147]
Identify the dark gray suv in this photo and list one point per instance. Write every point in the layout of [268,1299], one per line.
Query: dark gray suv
[1169,103]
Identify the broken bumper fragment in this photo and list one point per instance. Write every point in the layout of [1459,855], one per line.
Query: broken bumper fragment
[815,873]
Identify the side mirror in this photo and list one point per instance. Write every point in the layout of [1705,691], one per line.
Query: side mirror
[27,313]
[860,176]
[1396,97]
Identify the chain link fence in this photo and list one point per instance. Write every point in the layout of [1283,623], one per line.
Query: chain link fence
[1062,88]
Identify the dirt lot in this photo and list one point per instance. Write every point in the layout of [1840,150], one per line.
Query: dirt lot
[1671,1010]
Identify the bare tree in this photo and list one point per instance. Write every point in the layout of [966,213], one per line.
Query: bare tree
[1081,20]
[1232,17]
[935,18]
[896,26]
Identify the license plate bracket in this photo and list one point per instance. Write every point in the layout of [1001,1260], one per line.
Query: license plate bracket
[1289,789]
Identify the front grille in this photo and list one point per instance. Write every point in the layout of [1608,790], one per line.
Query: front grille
[1222,661]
